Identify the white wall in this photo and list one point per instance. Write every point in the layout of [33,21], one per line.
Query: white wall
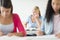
[24,7]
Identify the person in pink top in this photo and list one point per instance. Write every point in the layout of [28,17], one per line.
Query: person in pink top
[9,21]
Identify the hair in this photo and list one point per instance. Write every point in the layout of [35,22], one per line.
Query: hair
[49,11]
[37,8]
[6,4]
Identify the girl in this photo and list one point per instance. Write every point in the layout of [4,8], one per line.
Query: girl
[35,21]
[52,18]
[9,22]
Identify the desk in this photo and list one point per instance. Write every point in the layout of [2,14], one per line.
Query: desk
[46,37]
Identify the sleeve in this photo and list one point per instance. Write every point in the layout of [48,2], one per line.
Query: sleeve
[28,19]
[47,27]
[42,25]
[20,26]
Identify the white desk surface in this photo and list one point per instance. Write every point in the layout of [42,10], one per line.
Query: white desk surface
[46,37]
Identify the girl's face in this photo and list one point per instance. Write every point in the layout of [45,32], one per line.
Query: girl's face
[5,12]
[36,13]
[56,5]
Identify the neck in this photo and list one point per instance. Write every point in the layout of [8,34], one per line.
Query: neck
[56,13]
[6,17]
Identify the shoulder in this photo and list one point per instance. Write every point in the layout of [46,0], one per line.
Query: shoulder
[15,14]
[29,17]
[41,18]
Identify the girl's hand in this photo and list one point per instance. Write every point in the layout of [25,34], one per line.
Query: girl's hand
[15,34]
[11,34]
[39,33]
[58,35]
[35,16]
[1,33]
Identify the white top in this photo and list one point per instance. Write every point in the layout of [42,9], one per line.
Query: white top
[7,28]
[56,24]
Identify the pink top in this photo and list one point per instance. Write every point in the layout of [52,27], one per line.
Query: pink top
[56,24]
[18,24]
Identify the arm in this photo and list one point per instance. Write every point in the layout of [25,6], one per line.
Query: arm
[26,24]
[38,21]
[16,34]
[39,32]
[39,27]
[18,25]
[27,21]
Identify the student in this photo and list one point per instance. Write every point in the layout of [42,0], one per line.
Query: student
[9,22]
[52,18]
[35,20]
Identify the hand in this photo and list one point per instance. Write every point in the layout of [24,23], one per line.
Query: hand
[58,35]
[35,16]
[1,33]
[11,34]
[39,33]
[15,34]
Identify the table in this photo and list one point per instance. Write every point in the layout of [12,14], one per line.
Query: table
[46,37]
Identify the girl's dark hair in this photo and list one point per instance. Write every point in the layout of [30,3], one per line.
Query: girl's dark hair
[49,11]
[6,4]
